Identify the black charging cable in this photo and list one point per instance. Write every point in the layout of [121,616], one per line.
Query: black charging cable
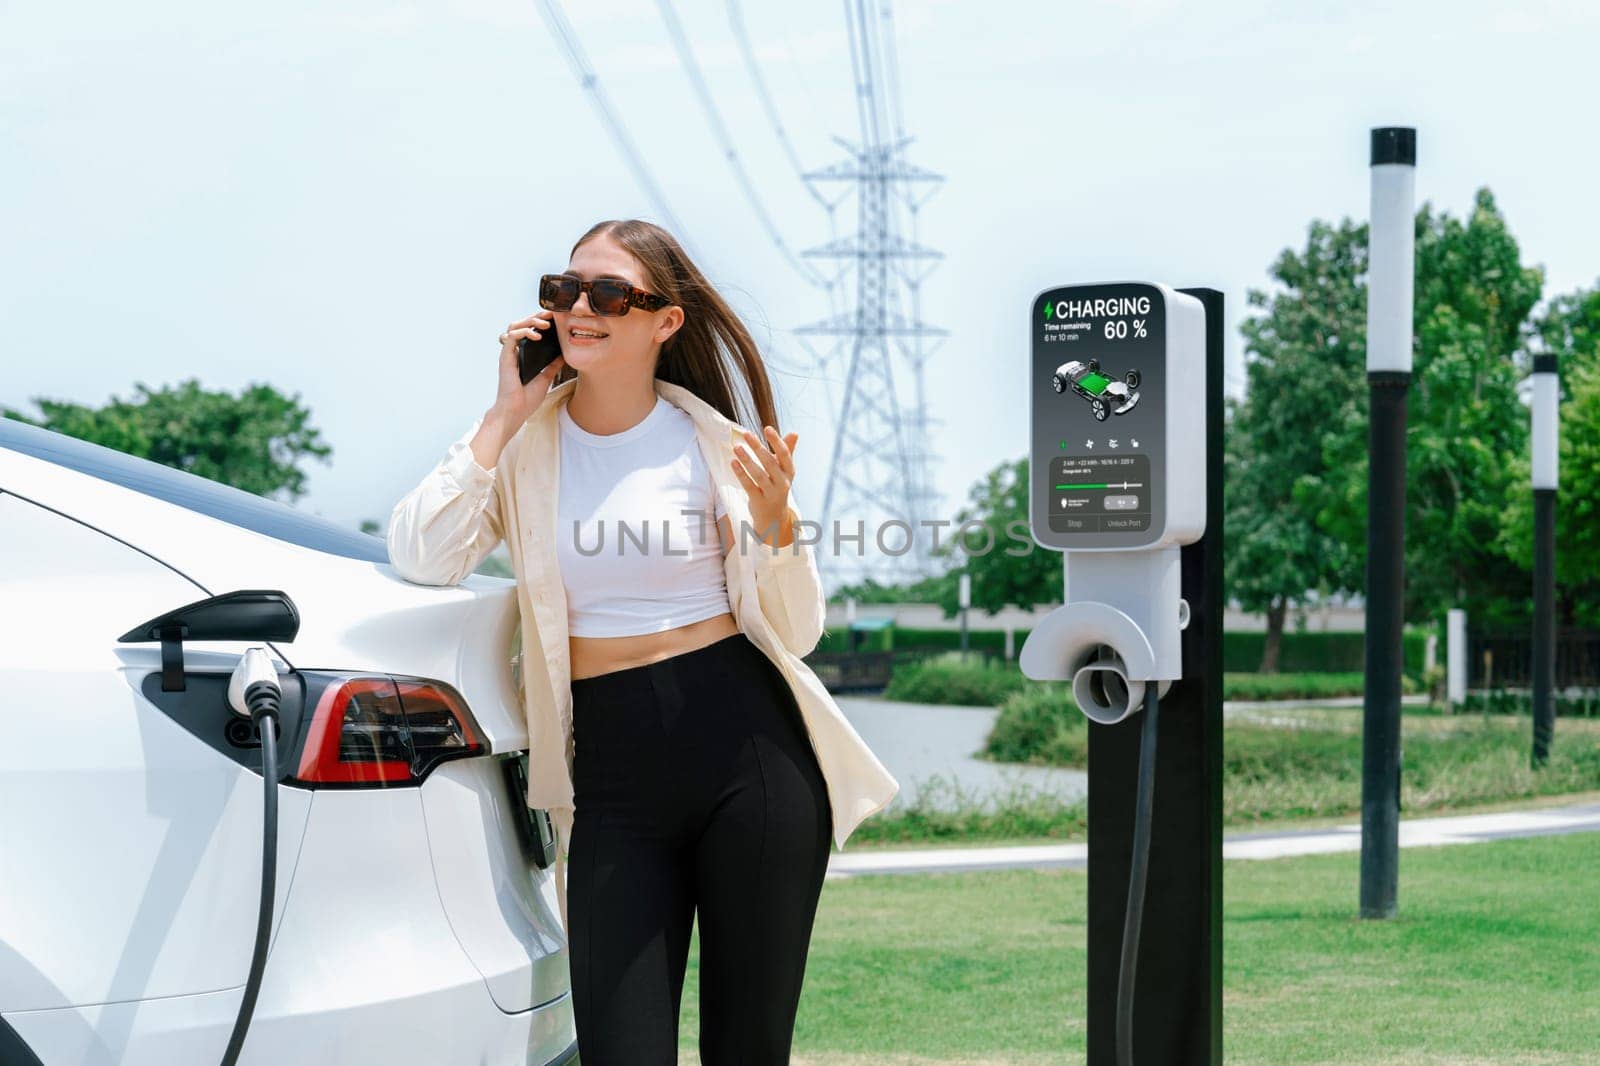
[1136,877]
[262,699]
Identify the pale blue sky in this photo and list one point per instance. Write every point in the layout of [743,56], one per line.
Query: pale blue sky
[350,200]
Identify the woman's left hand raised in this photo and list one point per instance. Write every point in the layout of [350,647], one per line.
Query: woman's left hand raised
[766,472]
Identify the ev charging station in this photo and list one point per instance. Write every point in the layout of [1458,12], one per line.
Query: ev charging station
[1126,387]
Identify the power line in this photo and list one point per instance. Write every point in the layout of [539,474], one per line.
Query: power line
[805,85]
[589,81]
[892,62]
[861,78]
[729,151]
[922,425]
[736,23]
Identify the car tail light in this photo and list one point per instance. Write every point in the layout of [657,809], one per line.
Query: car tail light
[377,731]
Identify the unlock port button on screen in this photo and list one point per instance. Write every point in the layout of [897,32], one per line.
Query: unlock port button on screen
[1122,503]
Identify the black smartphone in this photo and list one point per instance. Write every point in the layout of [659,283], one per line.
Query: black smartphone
[534,355]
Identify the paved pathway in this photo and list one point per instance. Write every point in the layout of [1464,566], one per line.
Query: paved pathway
[1414,832]
[931,748]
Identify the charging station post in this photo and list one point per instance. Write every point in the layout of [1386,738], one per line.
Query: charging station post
[1126,390]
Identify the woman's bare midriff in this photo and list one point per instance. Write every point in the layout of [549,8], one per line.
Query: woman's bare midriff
[601,655]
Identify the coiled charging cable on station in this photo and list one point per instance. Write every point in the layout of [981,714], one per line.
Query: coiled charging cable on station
[1136,877]
[254,691]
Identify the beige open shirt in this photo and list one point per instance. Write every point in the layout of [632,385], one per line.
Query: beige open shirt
[441,531]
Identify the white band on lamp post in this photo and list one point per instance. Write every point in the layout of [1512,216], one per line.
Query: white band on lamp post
[1391,248]
[1546,397]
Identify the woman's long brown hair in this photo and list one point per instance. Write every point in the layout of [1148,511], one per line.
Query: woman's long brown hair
[712,344]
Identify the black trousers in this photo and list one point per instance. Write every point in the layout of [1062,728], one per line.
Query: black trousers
[697,797]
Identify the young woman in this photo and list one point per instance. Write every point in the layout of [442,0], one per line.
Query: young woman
[693,765]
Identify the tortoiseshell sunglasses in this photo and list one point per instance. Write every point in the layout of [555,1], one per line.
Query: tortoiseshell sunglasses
[609,297]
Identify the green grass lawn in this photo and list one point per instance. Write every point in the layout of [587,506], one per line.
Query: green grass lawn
[1495,958]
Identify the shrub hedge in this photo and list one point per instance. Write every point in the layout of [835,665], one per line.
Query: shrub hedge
[948,678]
[1304,686]
[1503,701]
[1274,771]
[1306,653]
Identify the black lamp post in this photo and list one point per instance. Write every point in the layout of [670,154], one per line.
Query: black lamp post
[1390,282]
[1546,421]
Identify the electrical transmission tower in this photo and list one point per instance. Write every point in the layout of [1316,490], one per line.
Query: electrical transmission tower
[880,475]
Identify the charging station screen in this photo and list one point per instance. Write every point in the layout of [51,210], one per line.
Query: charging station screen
[1099,416]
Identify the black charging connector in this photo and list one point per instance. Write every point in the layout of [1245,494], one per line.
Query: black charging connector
[1137,872]
[262,699]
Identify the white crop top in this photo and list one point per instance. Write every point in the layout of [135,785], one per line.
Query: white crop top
[631,561]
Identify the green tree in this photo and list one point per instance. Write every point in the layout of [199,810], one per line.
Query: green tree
[1569,328]
[254,441]
[1305,355]
[1010,570]
[1466,425]
[1006,566]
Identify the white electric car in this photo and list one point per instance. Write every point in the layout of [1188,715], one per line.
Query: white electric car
[415,916]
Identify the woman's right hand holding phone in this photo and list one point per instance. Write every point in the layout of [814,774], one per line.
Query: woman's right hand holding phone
[514,401]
